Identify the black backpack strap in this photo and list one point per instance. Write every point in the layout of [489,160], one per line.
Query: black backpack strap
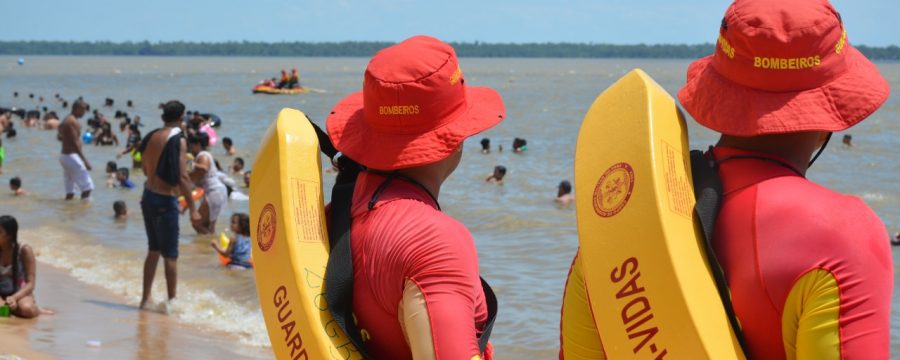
[339,271]
[491,299]
[708,193]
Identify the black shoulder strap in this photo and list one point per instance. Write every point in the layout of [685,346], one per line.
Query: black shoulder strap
[339,271]
[491,299]
[708,192]
[146,140]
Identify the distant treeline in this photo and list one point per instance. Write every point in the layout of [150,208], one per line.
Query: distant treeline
[368,48]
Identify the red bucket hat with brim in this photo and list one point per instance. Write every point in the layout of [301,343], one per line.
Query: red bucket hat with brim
[414,109]
[781,67]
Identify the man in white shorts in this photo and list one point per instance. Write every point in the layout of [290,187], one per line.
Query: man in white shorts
[75,164]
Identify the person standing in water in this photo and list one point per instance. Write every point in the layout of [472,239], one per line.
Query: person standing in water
[164,160]
[131,146]
[497,176]
[120,210]
[15,185]
[485,146]
[205,174]
[75,165]
[230,149]
[564,193]
[848,140]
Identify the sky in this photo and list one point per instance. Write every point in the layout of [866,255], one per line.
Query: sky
[869,22]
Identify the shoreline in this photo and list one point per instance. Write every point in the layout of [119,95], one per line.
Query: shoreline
[92,322]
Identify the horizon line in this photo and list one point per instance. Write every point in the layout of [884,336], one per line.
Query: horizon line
[478,42]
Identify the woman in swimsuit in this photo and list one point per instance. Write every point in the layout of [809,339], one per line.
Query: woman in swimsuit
[205,175]
[106,136]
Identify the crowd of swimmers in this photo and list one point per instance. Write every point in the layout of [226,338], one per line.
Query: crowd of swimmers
[564,195]
[219,183]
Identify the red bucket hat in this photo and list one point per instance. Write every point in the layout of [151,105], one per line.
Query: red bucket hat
[780,67]
[414,109]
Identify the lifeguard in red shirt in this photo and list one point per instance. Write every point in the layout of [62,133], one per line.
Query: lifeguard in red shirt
[809,269]
[416,287]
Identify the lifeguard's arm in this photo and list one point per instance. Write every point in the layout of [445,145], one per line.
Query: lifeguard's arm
[810,319]
[813,326]
[416,324]
[448,298]
[579,337]
[414,320]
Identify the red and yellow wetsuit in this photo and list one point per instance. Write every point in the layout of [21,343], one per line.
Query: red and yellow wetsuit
[416,288]
[810,270]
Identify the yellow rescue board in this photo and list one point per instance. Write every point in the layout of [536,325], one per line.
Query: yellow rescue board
[651,290]
[290,243]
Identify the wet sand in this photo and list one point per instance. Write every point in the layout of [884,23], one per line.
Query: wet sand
[93,323]
[14,340]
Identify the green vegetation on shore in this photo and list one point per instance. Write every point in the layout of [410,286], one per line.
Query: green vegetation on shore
[368,48]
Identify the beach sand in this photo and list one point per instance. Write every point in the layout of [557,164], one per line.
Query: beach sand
[93,323]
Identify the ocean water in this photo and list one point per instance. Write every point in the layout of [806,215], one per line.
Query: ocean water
[525,242]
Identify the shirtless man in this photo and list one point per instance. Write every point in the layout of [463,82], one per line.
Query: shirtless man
[75,165]
[164,163]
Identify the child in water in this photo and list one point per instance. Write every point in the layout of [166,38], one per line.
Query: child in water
[122,176]
[111,173]
[230,150]
[486,146]
[238,249]
[564,193]
[120,210]
[497,175]
[519,145]
[15,185]
[237,166]
[848,140]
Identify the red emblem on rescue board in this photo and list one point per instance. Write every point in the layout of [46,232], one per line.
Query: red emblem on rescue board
[265,230]
[613,190]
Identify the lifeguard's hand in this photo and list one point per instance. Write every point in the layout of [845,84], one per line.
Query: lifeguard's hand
[87,166]
[195,215]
